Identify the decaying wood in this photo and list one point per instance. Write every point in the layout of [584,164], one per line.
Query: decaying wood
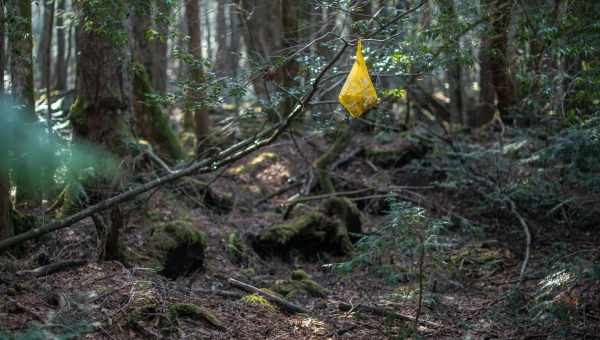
[219,292]
[52,268]
[383,311]
[284,304]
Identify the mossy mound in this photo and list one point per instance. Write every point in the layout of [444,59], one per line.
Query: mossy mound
[177,248]
[325,230]
[195,312]
[309,234]
[301,283]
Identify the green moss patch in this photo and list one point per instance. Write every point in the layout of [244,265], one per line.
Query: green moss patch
[257,300]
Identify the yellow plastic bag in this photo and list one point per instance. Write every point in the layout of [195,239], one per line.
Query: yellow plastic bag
[358,93]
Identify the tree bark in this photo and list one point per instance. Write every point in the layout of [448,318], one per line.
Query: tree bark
[151,122]
[21,74]
[102,111]
[6,226]
[2,45]
[44,45]
[291,38]
[160,46]
[263,34]
[223,48]
[499,12]
[60,66]
[200,113]
[233,57]
[207,30]
[49,9]
[454,71]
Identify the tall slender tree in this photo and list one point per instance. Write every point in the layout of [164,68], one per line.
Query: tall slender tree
[291,37]
[6,227]
[160,46]
[499,14]
[195,106]
[454,68]
[2,46]
[60,66]
[21,73]
[152,122]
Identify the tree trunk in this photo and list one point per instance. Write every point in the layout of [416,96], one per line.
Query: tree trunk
[60,66]
[207,30]
[151,122]
[200,113]
[161,49]
[499,12]
[223,48]
[2,44]
[454,71]
[6,226]
[102,111]
[234,54]
[262,31]
[49,9]
[290,18]
[43,46]
[21,73]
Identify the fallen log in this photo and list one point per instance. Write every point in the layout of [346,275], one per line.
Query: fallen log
[383,311]
[52,268]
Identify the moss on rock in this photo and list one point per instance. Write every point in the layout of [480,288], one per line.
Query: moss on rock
[177,248]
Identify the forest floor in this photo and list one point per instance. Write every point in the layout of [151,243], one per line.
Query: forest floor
[469,294]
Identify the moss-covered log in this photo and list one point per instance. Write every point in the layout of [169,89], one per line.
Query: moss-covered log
[176,248]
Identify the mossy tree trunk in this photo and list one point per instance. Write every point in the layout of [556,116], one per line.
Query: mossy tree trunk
[21,74]
[152,123]
[102,111]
